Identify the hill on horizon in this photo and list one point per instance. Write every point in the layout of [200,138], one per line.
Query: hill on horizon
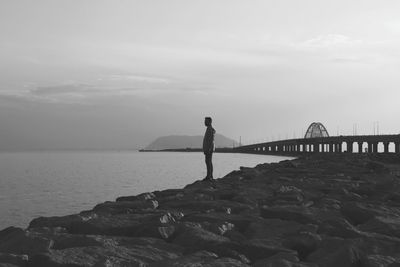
[187,141]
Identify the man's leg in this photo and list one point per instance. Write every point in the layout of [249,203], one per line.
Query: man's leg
[211,166]
[208,164]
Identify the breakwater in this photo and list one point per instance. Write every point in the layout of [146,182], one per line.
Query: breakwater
[317,210]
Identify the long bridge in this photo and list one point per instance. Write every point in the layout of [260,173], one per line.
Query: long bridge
[317,140]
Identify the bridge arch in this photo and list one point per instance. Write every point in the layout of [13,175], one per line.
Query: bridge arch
[316,129]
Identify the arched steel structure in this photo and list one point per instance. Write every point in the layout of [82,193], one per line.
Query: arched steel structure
[316,129]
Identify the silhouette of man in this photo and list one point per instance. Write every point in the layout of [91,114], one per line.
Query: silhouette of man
[209,147]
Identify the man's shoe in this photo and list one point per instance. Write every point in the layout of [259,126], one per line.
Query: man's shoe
[207,179]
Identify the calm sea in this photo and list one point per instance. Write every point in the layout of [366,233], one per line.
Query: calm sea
[36,184]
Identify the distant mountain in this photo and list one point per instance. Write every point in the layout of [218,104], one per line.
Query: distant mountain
[185,141]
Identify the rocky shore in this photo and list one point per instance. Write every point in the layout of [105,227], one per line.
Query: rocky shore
[317,210]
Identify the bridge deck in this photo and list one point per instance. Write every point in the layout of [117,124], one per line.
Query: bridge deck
[334,144]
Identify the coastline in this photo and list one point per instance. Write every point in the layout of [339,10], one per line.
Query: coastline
[316,210]
[217,150]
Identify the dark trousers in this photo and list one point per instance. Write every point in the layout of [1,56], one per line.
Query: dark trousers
[209,164]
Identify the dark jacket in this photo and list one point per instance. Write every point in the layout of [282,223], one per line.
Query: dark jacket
[208,141]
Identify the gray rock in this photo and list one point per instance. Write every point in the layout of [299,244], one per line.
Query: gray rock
[200,259]
[304,243]
[335,252]
[141,197]
[18,260]
[384,225]
[116,251]
[125,206]
[194,238]
[357,213]
[256,249]
[18,241]
[290,213]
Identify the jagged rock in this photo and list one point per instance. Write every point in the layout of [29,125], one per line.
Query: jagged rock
[122,252]
[67,222]
[304,243]
[357,213]
[194,238]
[384,225]
[282,263]
[7,265]
[219,228]
[239,221]
[278,260]
[378,261]
[125,206]
[339,227]
[290,213]
[141,197]
[335,252]
[105,224]
[18,241]
[289,193]
[18,260]
[64,241]
[200,259]
[256,249]
[272,228]
[207,206]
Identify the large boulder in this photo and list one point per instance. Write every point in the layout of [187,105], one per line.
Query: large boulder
[339,227]
[194,238]
[133,224]
[200,259]
[334,252]
[358,213]
[118,207]
[384,225]
[272,228]
[256,249]
[290,213]
[18,241]
[12,259]
[113,252]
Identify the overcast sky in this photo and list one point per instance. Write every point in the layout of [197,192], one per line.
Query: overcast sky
[117,74]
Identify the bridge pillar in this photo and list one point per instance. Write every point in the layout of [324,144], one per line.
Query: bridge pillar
[316,147]
[331,147]
[360,144]
[370,148]
[386,147]
[322,147]
[350,147]
[397,147]
[339,147]
[375,147]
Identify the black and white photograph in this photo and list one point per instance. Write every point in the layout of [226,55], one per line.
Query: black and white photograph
[212,133]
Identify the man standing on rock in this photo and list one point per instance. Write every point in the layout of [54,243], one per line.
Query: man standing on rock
[209,147]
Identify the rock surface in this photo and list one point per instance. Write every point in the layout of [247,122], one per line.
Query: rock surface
[317,210]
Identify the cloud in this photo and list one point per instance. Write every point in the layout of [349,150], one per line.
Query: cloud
[330,41]
[73,92]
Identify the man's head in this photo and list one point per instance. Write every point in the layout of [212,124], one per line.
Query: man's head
[207,121]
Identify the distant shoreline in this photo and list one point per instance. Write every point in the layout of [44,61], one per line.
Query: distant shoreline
[217,150]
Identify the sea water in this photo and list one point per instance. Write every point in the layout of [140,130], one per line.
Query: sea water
[34,184]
